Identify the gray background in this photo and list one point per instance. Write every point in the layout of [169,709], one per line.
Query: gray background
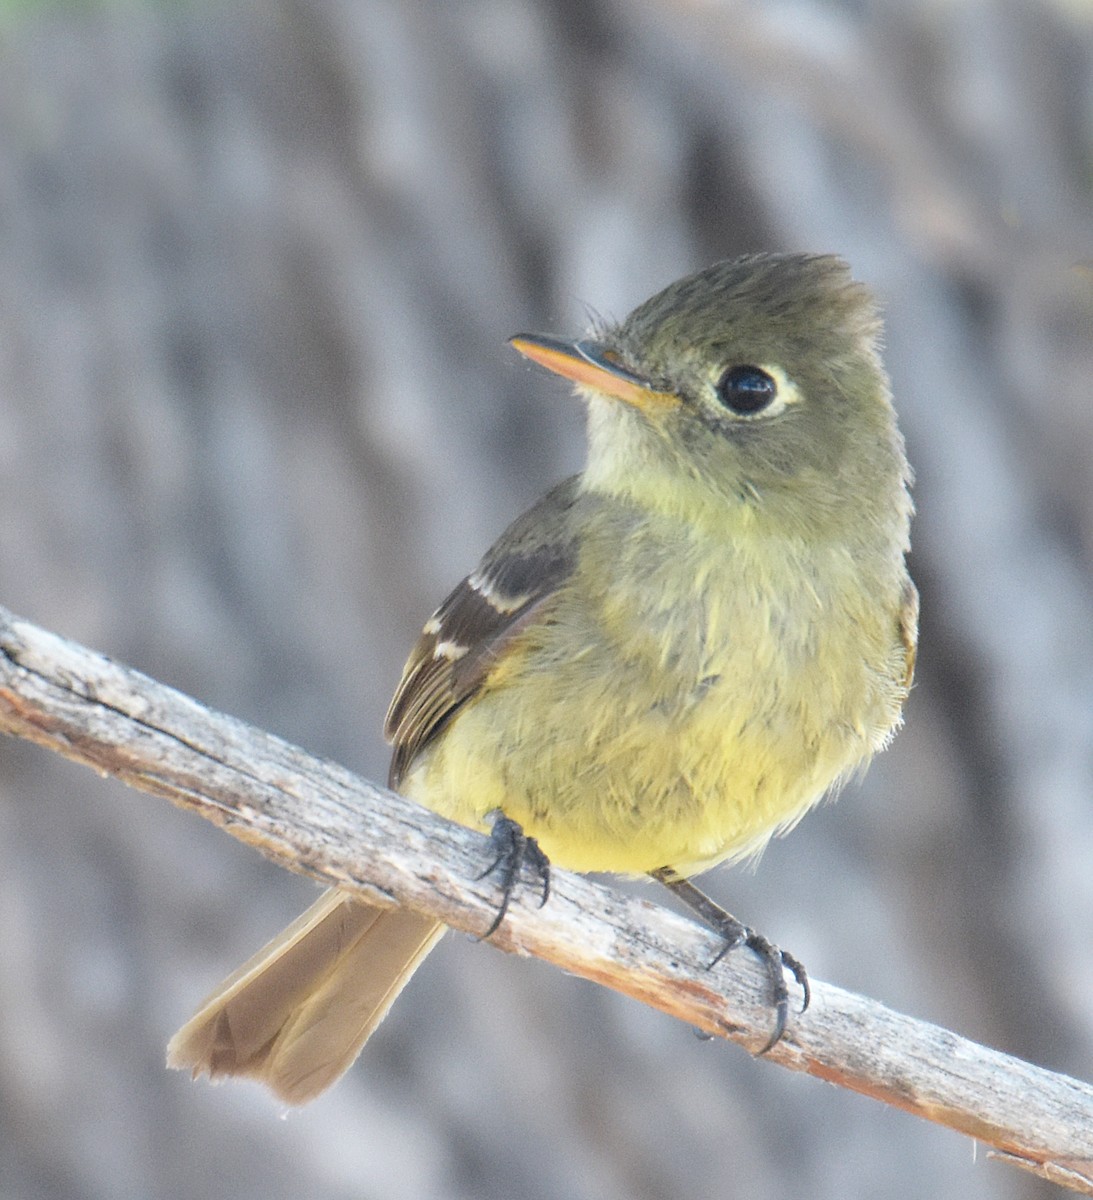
[258,262]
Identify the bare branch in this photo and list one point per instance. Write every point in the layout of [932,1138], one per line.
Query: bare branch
[314,817]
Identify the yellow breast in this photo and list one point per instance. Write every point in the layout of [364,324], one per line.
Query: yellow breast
[684,718]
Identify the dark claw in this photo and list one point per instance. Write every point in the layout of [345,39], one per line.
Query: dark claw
[771,958]
[734,933]
[540,865]
[776,962]
[797,970]
[514,850]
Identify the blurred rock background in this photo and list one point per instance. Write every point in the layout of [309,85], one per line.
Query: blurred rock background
[258,262]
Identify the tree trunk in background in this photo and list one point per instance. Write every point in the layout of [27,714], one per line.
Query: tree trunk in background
[257,268]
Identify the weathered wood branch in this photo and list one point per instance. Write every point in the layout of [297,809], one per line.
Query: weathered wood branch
[314,817]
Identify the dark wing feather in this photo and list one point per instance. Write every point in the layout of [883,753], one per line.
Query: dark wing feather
[469,632]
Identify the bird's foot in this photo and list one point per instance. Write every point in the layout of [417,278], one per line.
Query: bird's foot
[514,850]
[776,962]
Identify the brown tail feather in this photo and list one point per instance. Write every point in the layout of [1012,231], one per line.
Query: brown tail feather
[298,1013]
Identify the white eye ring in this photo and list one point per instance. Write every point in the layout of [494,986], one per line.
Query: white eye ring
[751,391]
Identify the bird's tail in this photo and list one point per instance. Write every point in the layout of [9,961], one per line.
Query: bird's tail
[298,1013]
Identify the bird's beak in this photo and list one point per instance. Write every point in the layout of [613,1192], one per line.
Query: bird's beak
[592,365]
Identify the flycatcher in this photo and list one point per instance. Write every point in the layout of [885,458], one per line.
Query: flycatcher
[667,660]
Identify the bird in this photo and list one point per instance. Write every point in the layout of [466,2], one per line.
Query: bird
[666,661]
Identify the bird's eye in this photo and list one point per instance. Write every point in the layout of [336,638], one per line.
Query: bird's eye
[746,390]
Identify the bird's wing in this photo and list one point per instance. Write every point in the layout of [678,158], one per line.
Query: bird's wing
[468,634]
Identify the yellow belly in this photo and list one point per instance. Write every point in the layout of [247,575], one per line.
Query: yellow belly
[673,728]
